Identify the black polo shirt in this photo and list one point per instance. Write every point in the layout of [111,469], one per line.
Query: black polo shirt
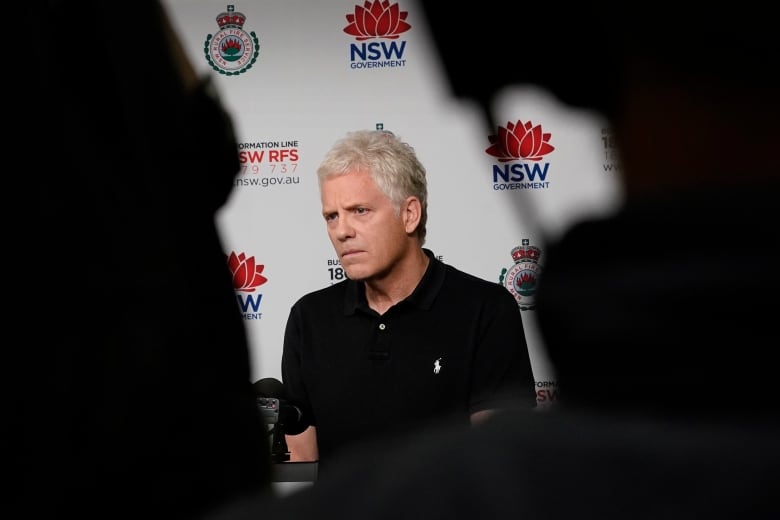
[456,345]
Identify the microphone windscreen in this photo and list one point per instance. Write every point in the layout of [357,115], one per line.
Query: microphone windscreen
[269,387]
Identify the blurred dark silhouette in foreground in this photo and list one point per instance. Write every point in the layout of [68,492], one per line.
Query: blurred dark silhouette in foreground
[659,318]
[144,404]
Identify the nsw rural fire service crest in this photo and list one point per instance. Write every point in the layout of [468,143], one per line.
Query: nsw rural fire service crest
[520,279]
[232,50]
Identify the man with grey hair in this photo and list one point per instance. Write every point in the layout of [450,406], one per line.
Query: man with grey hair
[406,341]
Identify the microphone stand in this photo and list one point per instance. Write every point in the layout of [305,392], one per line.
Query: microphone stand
[270,411]
[279,451]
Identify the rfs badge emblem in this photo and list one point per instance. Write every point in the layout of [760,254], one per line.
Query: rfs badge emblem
[520,279]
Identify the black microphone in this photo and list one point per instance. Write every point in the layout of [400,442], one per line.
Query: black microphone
[269,387]
[271,397]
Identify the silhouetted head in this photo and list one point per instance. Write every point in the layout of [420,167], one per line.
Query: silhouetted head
[583,54]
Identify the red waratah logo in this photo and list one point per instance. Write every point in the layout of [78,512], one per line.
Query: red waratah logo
[377,20]
[246,274]
[520,141]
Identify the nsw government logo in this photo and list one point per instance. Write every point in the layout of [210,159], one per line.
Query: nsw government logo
[371,24]
[231,51]
[525,145]
[520,279]
[247,277]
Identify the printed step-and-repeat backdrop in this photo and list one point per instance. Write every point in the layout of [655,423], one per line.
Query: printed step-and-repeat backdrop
[297,75]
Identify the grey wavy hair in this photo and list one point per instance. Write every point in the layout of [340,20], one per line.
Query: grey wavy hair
[391,163]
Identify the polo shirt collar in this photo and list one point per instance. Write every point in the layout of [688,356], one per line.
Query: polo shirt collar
[423,295]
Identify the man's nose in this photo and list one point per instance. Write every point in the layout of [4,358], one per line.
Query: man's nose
[344,228]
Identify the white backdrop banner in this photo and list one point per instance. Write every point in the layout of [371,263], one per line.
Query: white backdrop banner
[296,75]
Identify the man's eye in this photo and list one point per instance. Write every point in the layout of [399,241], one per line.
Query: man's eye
[360,211]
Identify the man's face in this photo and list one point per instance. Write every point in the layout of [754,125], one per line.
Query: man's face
[367,233]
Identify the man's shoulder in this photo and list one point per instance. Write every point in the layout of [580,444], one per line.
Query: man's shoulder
[329,295]
[468,282]
[327,292]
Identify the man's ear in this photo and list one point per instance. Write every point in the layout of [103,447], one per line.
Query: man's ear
[411,212]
